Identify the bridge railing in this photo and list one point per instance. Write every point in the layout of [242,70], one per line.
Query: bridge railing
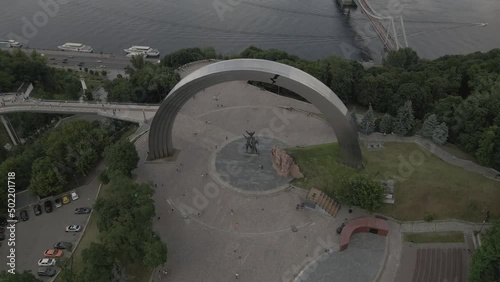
[95,103]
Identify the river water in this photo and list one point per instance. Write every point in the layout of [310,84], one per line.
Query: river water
[310,29]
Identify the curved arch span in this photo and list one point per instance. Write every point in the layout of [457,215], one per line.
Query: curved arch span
[305,85]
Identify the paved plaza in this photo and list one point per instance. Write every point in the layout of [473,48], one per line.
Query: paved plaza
[255,173]
[214,232]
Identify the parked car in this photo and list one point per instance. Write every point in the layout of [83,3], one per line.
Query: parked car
[37,209]
[47,271]
[57,202]
[65,199]
[48,206]
[24,215]
[73,228]
[46,262]
[53,253]
[63,245]
[83,210]
[74,196]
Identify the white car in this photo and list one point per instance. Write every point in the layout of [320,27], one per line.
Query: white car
[99,61]
[73,228]
[74,196]
[46,262]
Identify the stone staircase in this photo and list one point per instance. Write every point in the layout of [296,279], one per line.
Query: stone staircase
[323,201]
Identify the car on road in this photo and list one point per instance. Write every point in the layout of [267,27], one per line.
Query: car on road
[46,262]
[71,57]
[57,202]
[73,228]
[37,209]
[102,66]
[65,60]
[63,245]
[83,210]
[99,61]
[80,64]
[52,59]
[74,196]
[65,199]
[47,271]
[48,206]
[53,253]
[24,215]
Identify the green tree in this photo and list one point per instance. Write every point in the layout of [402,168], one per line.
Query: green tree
[25,276]
[440,135]
[403,58]
[360,190]
[104,73]
[430,125]
[155,252]
[485,262]
[97,264]
[46,179]
[121,157]
[405,120]
[124,217]
[386,124]
[367,125]
[489,147]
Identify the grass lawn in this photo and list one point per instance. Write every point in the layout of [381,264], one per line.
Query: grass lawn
[430,186]
[435,237]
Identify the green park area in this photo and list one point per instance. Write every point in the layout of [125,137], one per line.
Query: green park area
[435,237]
[426,186]
[136,272]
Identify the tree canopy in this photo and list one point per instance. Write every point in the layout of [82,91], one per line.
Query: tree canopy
[121,157]
[360,190]
[486,261]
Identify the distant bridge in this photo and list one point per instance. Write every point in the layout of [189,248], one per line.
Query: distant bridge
[388,28]
[137,113]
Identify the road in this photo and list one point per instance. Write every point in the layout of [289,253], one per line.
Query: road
[89,60]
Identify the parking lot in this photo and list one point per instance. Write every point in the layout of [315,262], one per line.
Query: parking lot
[40,233]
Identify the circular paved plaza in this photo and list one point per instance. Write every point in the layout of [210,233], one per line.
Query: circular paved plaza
[213,231]
[238,169]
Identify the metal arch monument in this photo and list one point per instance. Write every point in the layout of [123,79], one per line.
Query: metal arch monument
[305,85]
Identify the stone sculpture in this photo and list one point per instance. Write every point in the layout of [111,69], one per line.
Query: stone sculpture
[283,164]
[252,142]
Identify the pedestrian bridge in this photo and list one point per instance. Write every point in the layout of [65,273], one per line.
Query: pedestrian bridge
[137,113]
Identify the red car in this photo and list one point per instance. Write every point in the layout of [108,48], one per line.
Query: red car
[53,253]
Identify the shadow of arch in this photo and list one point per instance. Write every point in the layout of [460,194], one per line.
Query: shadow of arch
[305,85]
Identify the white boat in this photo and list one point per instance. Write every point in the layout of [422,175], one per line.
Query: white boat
[11,43]
[148,51]
[77,47]
[131,54]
